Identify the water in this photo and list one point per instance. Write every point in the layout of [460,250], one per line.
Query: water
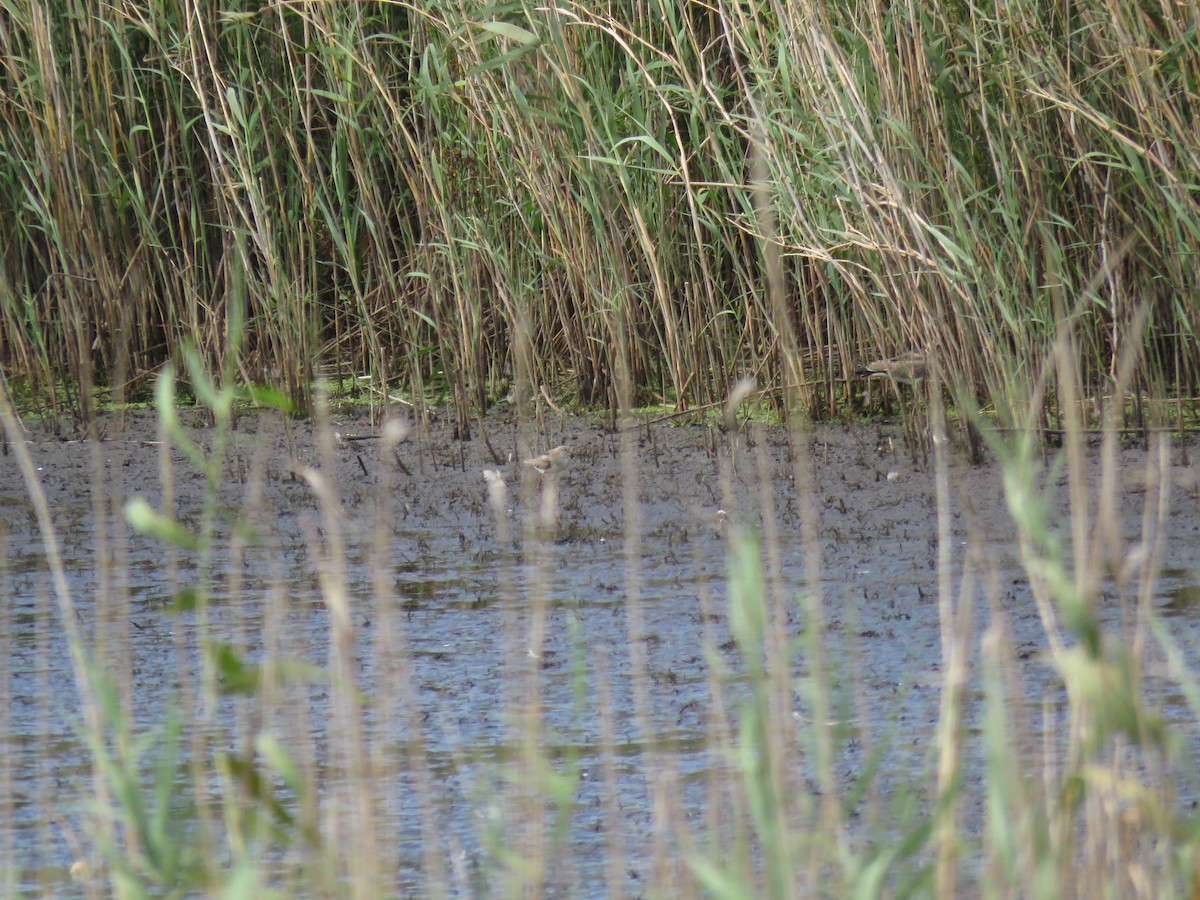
[448,628]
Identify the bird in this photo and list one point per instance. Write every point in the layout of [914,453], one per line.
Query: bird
[551,461]
[908,368]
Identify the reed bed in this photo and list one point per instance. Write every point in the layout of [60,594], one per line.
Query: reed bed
[600,206]
[399,191]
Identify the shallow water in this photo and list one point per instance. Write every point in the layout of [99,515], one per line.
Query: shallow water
[463,603]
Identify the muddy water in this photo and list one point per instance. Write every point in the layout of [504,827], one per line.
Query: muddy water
[462,602]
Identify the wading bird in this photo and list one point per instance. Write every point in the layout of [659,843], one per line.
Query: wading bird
[552,461]
[912,369]
[908,368]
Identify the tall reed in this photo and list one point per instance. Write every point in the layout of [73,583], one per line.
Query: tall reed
[407,186]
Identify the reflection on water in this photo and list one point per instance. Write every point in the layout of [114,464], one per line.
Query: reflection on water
[1181,599]
[457,609]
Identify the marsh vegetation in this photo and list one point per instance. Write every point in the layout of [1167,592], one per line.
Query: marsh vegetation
[621,204]
[249,652]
